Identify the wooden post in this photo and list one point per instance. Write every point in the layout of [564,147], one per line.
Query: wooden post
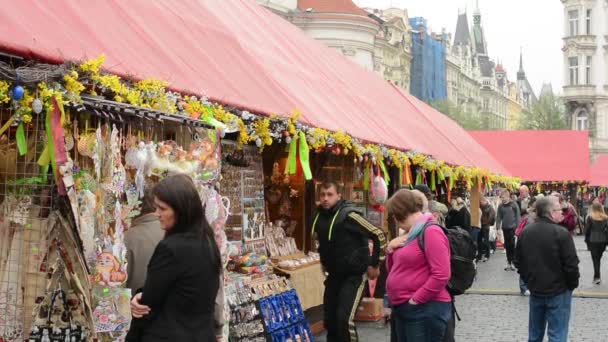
[475,212]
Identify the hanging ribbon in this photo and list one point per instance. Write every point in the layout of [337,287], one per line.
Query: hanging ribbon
[291,158]
[433,184]
[20,137]
[418,177]
[440,175]
[479,183]
[304,157]
[387,178]
[366,178]
[451,183]
[55,150]
[400,177]
[407,177]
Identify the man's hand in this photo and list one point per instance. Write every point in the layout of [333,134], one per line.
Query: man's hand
[138,310]
[373,272]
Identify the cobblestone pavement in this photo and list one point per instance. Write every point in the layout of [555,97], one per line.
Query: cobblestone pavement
[496,312]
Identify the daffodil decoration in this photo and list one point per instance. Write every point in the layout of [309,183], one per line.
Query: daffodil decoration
[262,131]
[5,95]
[89,78]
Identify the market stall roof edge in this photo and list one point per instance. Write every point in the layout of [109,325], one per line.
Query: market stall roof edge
[599,171]
[540,156]
[264,64]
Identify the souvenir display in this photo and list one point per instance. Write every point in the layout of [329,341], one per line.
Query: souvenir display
[295,263]
[277,243]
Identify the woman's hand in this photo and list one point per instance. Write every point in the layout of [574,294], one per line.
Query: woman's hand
[396,243]
[412,302]
[138,310]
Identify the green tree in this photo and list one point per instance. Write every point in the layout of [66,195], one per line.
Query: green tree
[546,114]
[468,121]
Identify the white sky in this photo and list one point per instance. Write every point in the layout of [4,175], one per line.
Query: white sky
[534,25]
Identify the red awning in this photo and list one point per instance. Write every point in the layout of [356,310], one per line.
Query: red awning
[240,54]
[599,171]
[540,155]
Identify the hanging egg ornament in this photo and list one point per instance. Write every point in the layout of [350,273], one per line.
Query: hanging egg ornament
[258,142]
[365,158]
[374,160]
[288,140]
[338,151]
[37,106]
[18,93]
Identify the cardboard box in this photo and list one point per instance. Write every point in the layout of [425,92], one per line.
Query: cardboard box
[370,309]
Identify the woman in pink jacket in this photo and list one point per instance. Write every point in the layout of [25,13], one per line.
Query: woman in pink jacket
[417,280]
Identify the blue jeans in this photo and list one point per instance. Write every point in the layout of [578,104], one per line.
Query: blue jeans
[422,323]
[552,311]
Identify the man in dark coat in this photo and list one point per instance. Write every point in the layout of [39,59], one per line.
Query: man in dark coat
[343,236]
[546,259]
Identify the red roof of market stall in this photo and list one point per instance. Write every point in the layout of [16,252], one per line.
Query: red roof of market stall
[599,171]
[237,53]
[540,155]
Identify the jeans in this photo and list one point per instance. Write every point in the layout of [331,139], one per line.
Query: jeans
[509,244]
[483,243]
[422,323]
[597,250]
[552,311]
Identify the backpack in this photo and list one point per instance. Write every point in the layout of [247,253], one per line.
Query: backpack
[462,261]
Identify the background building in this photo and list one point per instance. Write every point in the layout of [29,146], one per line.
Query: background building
[585,69]
[428,70]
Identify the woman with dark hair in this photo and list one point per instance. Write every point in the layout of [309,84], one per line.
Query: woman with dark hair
[596,237]
[178,299]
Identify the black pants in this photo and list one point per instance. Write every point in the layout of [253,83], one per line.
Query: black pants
[597,250]
[483,243]
[509,235]
[340,300]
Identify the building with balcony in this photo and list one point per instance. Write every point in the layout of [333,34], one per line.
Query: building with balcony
[585,92]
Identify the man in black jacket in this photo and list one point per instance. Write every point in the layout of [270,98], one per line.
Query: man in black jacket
[546,258]
[343,236]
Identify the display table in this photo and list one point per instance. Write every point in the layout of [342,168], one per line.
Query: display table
[308,282]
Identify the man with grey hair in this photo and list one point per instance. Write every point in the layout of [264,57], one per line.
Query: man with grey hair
[546,258]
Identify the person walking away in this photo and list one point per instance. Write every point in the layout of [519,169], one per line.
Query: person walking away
[141,240]
[459,215]
[488,218]
[183,277]
[343,236]
[546,258]
[596,237]
[507,219]
[529,218]
[417,279]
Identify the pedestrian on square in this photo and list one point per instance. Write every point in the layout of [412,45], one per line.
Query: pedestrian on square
[178,300]
[442,208]
[488,218]
[596,237]
[343,236]
[527,219]
[507,219]
[524,198]
[417,279]
[546,258]
[459,215]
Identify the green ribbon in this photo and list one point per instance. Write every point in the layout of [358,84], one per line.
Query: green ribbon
[433,184]
[291,157]
[20,137]
[400,177]
[304,157]
[387,178]
[50,147]
[418,178]
[440,175]
[451,183]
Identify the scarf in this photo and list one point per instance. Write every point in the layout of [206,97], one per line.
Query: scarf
[417,227]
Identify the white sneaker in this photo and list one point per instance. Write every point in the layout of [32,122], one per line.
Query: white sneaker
[508,267]
[527,293]
[597,281]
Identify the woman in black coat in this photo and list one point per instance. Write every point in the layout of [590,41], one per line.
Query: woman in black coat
[596,237]
[178,299]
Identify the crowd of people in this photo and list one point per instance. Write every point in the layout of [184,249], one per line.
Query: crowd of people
[175,275]
[537,234]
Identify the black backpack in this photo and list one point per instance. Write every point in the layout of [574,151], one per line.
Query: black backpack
[462,262]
